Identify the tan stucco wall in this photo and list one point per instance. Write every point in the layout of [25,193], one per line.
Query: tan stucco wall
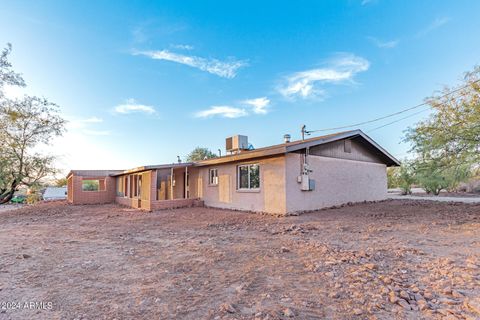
[338,181]
[270,198]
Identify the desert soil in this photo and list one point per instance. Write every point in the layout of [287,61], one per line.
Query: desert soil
[396,259]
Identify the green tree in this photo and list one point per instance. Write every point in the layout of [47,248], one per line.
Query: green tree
[392,177]
[451,135]
[447,144]
[7,75]
[62,182]
[405,177]
[430,176]
[200,153]
[25,124]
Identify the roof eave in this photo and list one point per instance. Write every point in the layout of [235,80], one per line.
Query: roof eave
[385,152]
[240,157]
[345,135]
[153,167]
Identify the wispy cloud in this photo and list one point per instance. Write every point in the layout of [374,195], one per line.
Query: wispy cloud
[259,105]
[365,2]
[384,44]
[225,69]
[138,34]
[435,24]
[132,106]
[86,126]
[182,46]
[256,106]
[307,84]
[222,111]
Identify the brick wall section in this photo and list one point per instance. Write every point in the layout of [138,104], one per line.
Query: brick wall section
[176,203]
[123,201]
[163,204]
[78,196]
[70,189]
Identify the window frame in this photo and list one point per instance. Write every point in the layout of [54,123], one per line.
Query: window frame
[99,184]
[215,183]
[249,188]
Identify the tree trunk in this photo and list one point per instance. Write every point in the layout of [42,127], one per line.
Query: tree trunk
[5,198]
[8,195]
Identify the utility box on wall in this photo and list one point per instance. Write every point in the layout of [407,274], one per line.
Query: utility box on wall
[306,184]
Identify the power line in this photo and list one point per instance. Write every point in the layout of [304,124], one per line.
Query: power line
[403,118]
[396,113]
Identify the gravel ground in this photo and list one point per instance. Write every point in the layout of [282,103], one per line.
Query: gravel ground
[395,259]
[10,206]
[466,199]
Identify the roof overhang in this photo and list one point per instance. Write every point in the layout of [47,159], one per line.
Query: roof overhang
[296,146]
[254,154]
[153,167]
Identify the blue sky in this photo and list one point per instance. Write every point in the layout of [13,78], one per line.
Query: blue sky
[144,81]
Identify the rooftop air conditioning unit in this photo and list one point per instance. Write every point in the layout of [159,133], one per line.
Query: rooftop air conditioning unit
[236,143]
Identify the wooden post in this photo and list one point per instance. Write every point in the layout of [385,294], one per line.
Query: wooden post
[171,183]
[185,183]
[127,192]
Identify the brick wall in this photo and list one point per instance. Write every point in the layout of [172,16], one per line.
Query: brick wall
[176,203]
[124,201]
[78,196]
[70,189]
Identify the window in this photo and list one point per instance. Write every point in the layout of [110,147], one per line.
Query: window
[93,185]
[248,176]
[213,177]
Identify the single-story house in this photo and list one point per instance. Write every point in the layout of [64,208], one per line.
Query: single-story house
[281,179]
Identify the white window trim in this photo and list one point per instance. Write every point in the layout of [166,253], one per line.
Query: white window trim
[214,184]
[248,165]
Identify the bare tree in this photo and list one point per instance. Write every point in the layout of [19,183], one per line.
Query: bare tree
[25,124]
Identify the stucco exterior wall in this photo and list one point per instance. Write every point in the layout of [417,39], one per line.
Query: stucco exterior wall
[338,181]
[269,198]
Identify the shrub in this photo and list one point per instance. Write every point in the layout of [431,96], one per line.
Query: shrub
[33,198]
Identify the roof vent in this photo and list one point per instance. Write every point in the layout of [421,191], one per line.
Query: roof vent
[286,138]
[236,143]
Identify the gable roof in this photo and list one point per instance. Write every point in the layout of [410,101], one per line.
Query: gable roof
[293,146]
[265,152]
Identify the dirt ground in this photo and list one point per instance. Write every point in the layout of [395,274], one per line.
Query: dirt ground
[396,259]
